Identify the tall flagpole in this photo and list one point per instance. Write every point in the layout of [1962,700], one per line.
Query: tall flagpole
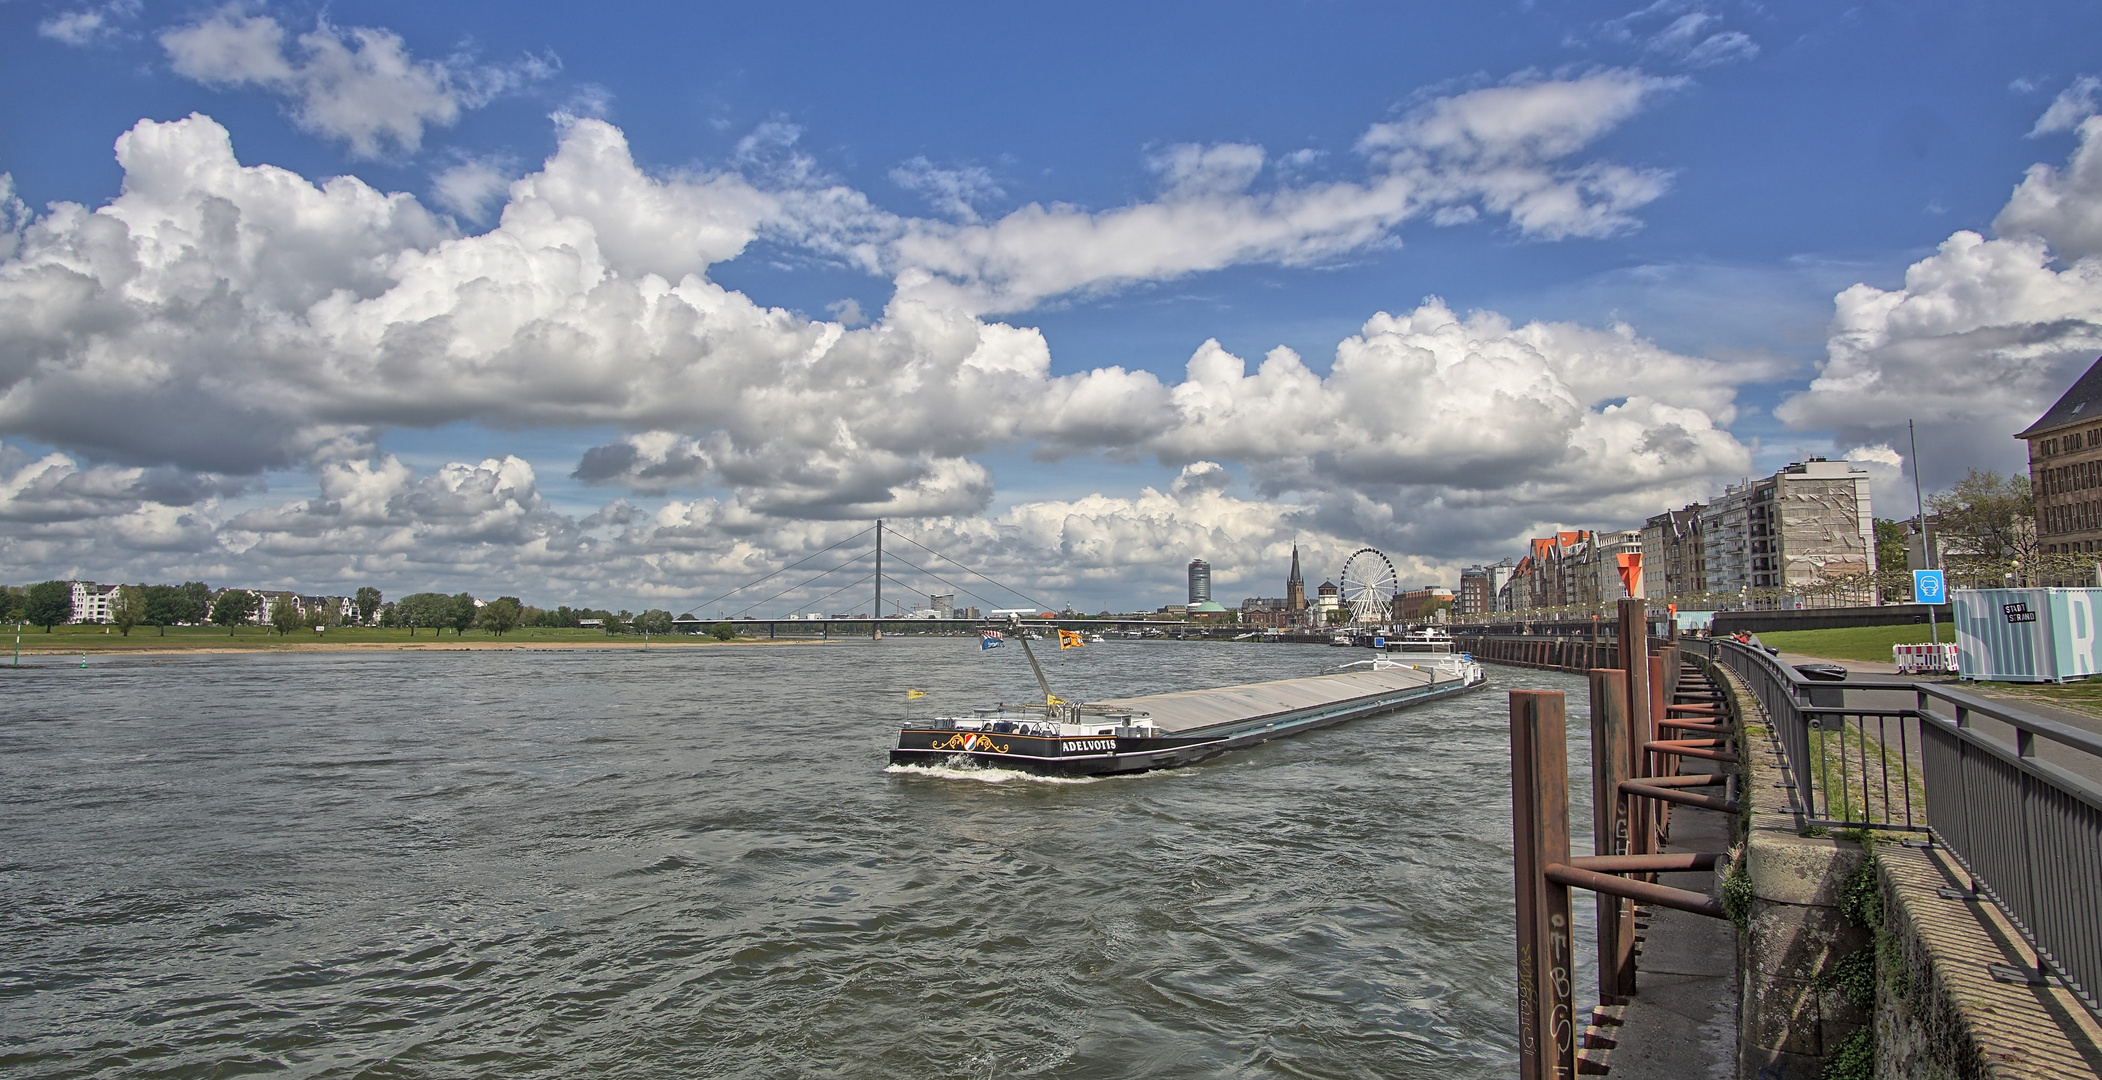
[1919,509]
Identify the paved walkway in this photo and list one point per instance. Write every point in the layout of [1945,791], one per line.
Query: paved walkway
[2077,762]
[1682,1023]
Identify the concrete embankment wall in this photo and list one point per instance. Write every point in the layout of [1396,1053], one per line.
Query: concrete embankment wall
[1803,948]
[1854,962]
[1761,622]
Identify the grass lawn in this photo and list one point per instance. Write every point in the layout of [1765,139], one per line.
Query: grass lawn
[2084,697]
[1874,642]
[1866,643]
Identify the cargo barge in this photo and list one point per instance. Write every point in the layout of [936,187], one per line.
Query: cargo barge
[1161,731]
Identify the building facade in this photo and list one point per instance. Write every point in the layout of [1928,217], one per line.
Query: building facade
[1327,598]
[1200,582]
[1295,585]
[2065,469]
[91,602]
[1432,603]
[1599,574]
[1796,538]
[1481,589]
[1674,564]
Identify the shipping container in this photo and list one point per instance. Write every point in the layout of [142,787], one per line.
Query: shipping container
[2025,635]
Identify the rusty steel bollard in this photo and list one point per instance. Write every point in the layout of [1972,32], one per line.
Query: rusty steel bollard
[1634,659]
[1610,831]
[1540,834]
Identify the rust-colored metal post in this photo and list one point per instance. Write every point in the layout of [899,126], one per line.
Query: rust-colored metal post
[1540,834]
[1634,659]
[1659,813]
[1609,831]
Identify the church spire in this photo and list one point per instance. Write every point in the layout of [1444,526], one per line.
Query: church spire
[1295,586]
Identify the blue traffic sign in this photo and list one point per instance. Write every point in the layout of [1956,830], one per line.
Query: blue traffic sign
[1929,588]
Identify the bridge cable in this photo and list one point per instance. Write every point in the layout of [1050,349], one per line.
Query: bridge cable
[907,537]
[849,585]
[941,579]
[733,592]
[806,581]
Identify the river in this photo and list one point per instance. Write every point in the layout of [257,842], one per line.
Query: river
[695,863]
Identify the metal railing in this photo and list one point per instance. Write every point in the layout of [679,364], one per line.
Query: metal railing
[2027,831]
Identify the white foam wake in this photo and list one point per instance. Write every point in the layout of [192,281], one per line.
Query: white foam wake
[983,775]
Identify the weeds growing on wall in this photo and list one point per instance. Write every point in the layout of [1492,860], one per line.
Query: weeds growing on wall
[1855,1059]
[1854,975]
[1737,893]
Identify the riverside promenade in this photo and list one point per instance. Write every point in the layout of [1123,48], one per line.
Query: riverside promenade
[1861,939]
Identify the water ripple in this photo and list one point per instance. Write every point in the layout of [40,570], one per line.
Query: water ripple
[695,862]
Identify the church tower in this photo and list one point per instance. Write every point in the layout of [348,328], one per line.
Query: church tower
[1295,586]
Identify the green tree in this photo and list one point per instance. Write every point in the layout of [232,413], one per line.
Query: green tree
[424,609]
[368,602]
[654,621]
[48,603]
[233,607]
[1893,576]
[284,615]
[128,608]
[722,631]
[501,615]
[196,606]
[462,614]
[1987,527]
[160,606]
[11,601]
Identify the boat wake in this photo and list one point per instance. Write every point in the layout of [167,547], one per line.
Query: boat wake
[967,771]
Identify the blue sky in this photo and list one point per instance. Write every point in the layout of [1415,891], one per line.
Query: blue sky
[992,241]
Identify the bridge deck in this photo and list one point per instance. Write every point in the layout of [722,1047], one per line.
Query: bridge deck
[1188,710]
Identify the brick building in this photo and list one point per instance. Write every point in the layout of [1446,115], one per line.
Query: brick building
[2065,468]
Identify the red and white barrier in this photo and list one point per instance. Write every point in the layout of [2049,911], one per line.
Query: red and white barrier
[1925,659]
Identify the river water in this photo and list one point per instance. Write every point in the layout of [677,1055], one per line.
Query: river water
[695,863]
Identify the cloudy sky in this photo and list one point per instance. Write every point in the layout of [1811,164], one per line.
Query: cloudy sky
[629,307]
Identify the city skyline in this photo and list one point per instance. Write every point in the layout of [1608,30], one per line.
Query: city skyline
[626,314]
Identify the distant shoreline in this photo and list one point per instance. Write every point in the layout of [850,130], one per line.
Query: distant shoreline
[119,646]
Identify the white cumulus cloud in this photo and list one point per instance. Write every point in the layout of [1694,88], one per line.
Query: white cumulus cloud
[1984,334]
[359,84]
[88,25]
[223,319]
[1502,151]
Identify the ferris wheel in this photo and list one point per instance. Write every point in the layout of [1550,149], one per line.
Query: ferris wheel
[1369,586]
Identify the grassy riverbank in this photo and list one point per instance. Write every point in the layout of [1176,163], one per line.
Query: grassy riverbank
[147,639]
[1872,643]
[1862,643]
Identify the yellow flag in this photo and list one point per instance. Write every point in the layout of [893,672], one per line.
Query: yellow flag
[914,694]
[1067,639]
[1053,699]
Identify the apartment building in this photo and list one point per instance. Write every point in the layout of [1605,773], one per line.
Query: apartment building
[1807,525]
[1674,561]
